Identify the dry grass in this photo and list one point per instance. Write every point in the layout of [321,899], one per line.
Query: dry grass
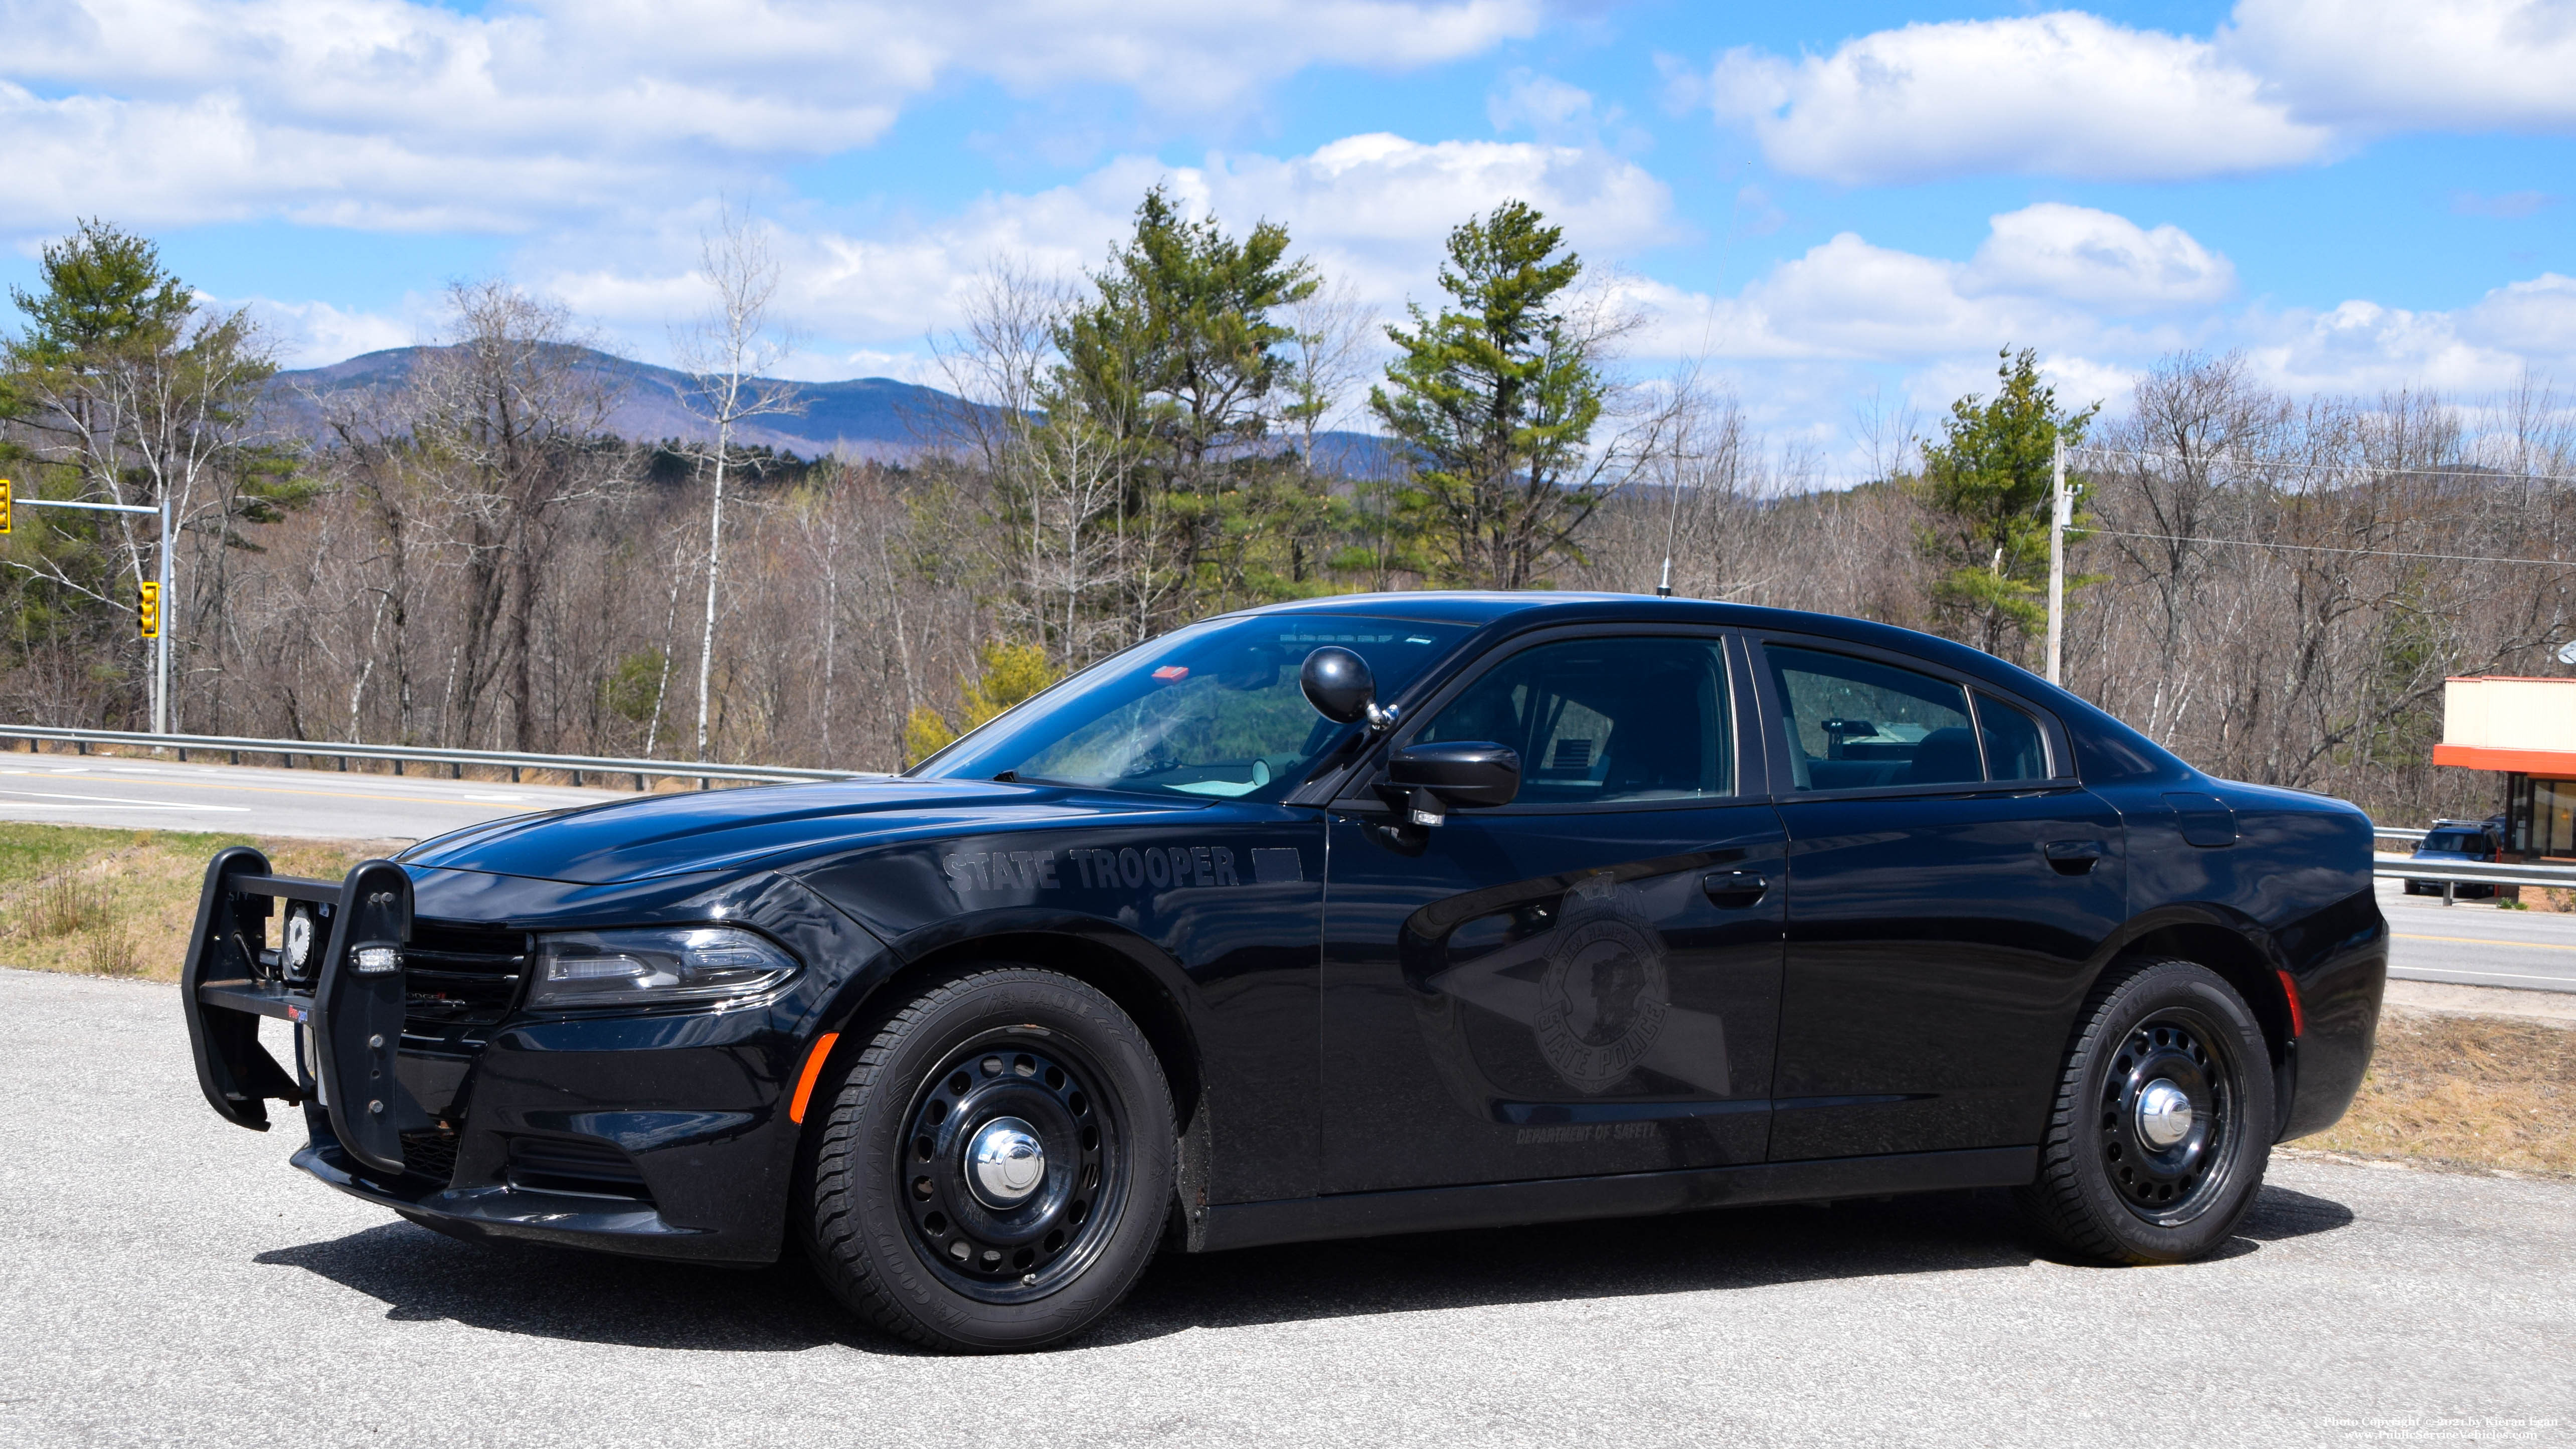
[2465,1091]
[121,902]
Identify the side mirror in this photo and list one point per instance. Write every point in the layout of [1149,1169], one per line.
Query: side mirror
[1338,684]
[1467,774]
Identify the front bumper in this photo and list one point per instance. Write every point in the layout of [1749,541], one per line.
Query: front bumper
[662,1135]
[506,1212]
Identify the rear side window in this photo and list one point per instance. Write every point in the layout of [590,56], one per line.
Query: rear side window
[1600,721]
[1857,724]
[2015,749]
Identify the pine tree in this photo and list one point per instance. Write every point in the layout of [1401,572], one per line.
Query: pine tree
[1987,486]
[1495,398]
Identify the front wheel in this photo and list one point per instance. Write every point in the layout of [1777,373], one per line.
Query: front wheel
[2163,1120]
[996,1164]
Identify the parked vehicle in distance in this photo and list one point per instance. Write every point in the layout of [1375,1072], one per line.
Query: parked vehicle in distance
[1351,916]
[2465,841]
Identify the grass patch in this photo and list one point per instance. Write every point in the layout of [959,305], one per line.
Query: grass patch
[2465,1091]
[121,902]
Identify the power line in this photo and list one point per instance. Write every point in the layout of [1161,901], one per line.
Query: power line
[2556,563]
[2483,476]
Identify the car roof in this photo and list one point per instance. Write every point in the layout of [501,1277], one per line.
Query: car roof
[1533,608]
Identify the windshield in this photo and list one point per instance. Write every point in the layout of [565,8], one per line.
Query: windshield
[1211,711]
[2461,840]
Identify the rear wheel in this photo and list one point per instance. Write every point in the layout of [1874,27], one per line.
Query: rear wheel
[996,1164]
[2162,1126]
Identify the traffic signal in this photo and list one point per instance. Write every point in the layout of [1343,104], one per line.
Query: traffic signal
[4,505]
[149,611]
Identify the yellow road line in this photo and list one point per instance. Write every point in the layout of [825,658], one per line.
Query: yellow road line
[2487,941]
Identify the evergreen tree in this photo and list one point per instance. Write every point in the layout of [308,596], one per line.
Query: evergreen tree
[123,389]
[1986,485]
[1496,398]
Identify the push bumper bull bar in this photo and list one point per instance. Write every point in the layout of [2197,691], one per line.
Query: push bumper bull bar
[345,999]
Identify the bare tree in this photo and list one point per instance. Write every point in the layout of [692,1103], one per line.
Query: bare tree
[1332,335]
[726,355]
[505,416]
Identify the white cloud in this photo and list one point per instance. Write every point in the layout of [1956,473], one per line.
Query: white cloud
[2093,256]
[1374,209]
[2380,66]
[1544,106]
[2282,83]
[388,113]
[2060,94]
[2048,275]
[310,334]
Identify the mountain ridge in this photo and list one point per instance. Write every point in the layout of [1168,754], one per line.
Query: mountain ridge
[882,418]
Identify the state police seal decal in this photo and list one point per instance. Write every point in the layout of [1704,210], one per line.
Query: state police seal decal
[1603,998]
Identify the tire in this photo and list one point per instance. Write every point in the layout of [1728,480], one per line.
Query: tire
[1055,1228]
[2113,1185]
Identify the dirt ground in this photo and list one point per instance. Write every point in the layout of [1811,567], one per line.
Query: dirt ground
[2465,1091]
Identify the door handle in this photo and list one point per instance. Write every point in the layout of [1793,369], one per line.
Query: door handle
[2072,857]
[1735,889]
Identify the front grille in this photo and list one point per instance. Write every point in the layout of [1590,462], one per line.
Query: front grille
[582,1165]
[458,983]
[430,1154]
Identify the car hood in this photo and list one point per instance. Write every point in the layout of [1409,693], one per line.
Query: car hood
[759,826]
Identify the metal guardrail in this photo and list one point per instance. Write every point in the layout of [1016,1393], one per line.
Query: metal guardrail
[2397,832]
[578,766]
[2465,872]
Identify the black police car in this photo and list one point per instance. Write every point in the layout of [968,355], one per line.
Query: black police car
[1353,916]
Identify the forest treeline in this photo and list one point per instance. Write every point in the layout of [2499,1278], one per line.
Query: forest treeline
[2273,586]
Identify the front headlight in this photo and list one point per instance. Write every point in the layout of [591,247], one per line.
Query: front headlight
[652,966]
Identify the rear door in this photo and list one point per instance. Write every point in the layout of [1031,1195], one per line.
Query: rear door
[1586,980]
[1950,884]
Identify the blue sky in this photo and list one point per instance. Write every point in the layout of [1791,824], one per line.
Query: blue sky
[1814,202]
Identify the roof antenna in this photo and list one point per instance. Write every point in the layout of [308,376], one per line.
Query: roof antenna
[1672,518]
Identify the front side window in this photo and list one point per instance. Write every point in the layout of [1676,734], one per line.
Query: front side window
[1857,724]
[1212,711]
[1599,721]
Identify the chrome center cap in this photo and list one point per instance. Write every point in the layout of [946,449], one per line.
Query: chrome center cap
[1004,1162]
[2164,1114]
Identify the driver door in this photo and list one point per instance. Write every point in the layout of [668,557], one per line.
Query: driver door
[1583,981]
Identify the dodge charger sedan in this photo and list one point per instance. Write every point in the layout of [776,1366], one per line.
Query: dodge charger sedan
[1354,916]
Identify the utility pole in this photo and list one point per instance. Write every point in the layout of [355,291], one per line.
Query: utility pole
[2057,519]
[160,636]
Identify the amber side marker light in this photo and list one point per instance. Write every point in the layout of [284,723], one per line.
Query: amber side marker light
[2289,988]
[814,1068]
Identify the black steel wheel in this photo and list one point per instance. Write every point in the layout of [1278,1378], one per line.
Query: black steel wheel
[1017,1166]
[2163,1120]
[2169,1105]
[996,1163]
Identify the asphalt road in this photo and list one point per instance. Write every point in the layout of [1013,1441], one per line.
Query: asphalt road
[324,804]
[170,1280]
[2474,944]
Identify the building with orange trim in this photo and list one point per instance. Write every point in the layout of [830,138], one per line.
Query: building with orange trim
[2526,729]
